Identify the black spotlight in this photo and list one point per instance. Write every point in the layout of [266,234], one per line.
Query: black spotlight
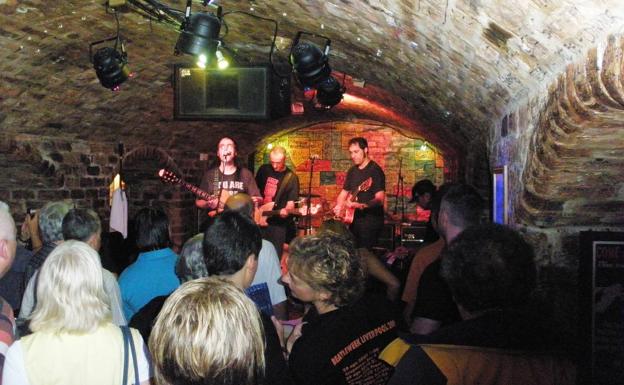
[310,64]
[111,67]
[328,93]
[199,35]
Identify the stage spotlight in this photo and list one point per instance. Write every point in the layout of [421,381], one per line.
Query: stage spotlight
[310,64]
[110,64]
[311,67]
[328,93]
[199,35]
[111,67]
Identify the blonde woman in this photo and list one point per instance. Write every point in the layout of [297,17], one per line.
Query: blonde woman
[208,332]
[73,339]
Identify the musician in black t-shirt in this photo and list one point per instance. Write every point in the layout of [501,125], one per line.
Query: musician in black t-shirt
[364,192]
[226,179]
[278,184]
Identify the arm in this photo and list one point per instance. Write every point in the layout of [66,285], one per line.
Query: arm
[28,300]
[377,270]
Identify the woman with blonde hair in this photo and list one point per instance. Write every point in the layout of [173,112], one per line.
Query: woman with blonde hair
[73,339]
[208,332]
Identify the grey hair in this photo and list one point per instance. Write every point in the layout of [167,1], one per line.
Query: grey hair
[51,220]
[191,264]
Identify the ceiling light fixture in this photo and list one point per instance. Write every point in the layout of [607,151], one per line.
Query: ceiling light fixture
[199,35]
[110,64]
[311,67]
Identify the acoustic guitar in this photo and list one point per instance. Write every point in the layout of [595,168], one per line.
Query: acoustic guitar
[347,213]
[170,177]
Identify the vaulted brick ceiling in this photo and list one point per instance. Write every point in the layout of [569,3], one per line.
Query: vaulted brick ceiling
[460,64]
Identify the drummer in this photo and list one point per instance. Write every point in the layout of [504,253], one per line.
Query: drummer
[422,191]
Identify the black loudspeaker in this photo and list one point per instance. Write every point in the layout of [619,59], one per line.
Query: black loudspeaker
[243,93]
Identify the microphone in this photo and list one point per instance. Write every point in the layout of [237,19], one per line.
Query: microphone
[227,154]
[315,157]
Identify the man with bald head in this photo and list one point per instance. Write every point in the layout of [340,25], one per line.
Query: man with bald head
[280,185]
[8,245]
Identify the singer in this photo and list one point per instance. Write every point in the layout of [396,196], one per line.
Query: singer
[228,178]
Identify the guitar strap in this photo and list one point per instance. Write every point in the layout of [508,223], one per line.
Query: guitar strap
[282,186]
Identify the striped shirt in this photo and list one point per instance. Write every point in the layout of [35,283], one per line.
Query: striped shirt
[7,331]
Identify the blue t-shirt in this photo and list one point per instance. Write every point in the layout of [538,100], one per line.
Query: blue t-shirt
[152,275]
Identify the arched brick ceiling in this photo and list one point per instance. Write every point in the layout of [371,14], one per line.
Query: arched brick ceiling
[575,175]
[459,62]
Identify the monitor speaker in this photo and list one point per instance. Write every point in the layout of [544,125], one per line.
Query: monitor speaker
[242,93]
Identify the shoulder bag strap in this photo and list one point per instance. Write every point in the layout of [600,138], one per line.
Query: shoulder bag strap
[134,359]
[124,332]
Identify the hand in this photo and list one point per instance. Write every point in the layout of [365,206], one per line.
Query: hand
[337,210]
[279,328]
[356,205]
[283,213]
[213,202]
[294,336]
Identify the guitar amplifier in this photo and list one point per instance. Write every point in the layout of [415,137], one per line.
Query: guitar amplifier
[413,236]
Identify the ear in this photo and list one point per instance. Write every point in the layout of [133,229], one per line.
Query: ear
[251,264]
[4,248]
[323,295]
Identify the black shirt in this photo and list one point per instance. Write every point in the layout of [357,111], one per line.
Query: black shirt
[355,177]
[269,182]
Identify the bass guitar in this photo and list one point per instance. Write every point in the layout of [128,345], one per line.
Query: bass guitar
[266,211]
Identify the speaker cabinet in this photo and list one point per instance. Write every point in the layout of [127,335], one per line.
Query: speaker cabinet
[243,93]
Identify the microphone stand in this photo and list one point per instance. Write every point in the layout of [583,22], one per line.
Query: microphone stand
[309,213]
[399,193]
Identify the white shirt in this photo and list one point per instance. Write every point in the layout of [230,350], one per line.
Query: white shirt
[269,271]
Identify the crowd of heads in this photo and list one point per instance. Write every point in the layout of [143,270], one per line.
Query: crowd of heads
[486,267]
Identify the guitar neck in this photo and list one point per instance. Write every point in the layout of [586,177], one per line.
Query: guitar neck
[195,190]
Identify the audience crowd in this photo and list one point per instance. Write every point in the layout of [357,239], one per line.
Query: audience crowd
[76,307]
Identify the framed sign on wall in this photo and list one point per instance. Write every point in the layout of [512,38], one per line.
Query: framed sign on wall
[601,305]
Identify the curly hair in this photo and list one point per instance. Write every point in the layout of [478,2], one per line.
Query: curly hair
[329,262]
[489,266]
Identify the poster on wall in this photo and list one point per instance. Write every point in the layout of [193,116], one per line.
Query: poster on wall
[602,307]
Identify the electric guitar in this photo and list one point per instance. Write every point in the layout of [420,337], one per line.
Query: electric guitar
[347,213]
[266,211]
[260,213]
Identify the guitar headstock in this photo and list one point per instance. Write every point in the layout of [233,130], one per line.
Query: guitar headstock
[168,176]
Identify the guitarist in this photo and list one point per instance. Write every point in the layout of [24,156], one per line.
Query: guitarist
[280,185]
[368,202]
[226,179]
